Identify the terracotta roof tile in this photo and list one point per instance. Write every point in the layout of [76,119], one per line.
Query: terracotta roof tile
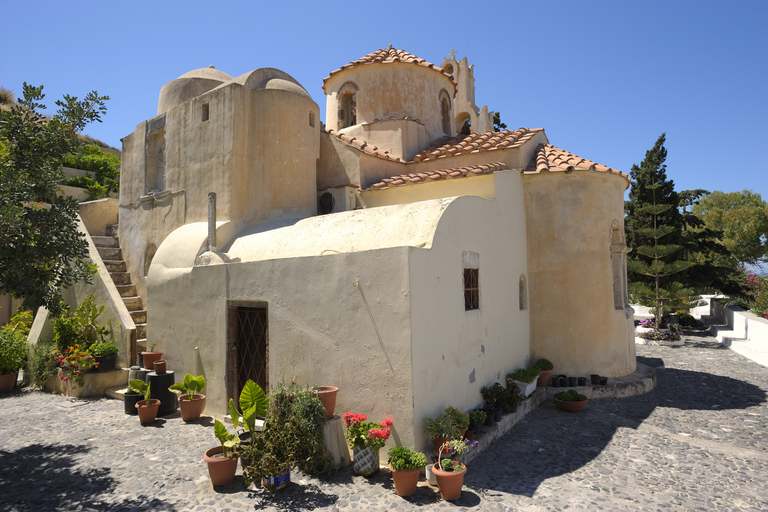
[549,158]
[475,143]
[362,145]
[388,56]
[441,174]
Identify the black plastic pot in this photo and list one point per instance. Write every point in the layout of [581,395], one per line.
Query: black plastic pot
[488,417]
[603,381]
[497,414]
[573,381]
[106,363]
[582,381]
[563,381]
[595,379]
[130,402]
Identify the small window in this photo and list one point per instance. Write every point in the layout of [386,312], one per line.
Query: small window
[523,294]
[312,119]
[206,112]
[347,114]
[471,289]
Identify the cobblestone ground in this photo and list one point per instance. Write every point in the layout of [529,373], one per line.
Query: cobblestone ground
[697,442]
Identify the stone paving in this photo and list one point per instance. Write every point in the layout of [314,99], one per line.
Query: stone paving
[699,441]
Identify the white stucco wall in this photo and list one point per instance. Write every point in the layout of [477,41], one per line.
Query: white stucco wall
[456,352]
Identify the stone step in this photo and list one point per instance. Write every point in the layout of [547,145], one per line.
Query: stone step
[139,317]
[132,303]
[115,265]
[126,290]
[120,277]
[110,253]
[105,241]
[111,230]
[141,331]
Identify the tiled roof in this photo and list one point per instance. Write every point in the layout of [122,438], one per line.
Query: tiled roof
[362,145]
[388,56]
[548,158]
[442,174]
[474,143]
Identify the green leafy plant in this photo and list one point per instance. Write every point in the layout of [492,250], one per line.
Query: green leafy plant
[253,403]
[570,396]
[139,387]
[402,457]
[191,385]
[511,397]
[442,426]
[526,375]
[42,364]
[494,395]
[543,364]
[20,322]
[477,416]
[13,351]
[104,349]
[81,327]
[459,418]
[229,442]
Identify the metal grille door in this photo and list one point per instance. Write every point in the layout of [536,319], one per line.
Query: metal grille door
[248,348]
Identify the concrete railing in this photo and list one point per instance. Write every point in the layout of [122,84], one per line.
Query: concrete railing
[738,324]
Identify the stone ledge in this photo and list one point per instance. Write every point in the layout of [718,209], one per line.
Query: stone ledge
[94,383]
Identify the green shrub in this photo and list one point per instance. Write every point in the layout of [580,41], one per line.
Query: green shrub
[42,365]
[687,320]
[79,328]
[570,396]
[401,457]
[20,322]
[105,165]
[13,351]
[104,349]
[459,418]
[543,364]
[477,416]
[526,375]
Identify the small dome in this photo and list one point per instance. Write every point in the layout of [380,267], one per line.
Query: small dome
[282,85]
[188,86]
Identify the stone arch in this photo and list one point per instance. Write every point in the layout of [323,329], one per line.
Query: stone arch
[149,253]
[463,123]
[347,104]
[522,293]
[619,250]
[445,111]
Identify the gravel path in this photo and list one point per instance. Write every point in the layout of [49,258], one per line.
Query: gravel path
[699,441]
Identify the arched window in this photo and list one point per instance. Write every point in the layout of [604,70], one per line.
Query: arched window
[347,105]
[445,112]
[463,124]
[523,293]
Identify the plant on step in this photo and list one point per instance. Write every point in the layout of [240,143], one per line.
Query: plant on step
[402,457]
[104,349]
[229,442]
[366,434]
[570,396]
[477,416]
[494,395]
[453,447]
[459,418]
[77,361]
[43,363]
[13,351]
[511,398]
[543,365]
[526,375]
[442,426]
[81,327]
[253,403]
[191,385]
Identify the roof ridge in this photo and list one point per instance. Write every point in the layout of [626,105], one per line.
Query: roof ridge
[415,178]
[475,142]
[549,158]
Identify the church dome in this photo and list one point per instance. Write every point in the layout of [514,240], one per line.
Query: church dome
[188,86]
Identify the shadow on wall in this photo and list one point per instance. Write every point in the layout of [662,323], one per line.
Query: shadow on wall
[44,477]
[552,443]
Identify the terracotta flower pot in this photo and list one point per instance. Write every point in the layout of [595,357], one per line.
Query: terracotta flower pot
[450,482]
[569,406]
[160,366]
[544,378]
[8,381]
[147,410]
[221,469]
[191,409]
[149,359]
[327,395]
[405,480]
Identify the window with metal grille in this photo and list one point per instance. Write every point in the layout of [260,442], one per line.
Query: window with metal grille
[471,289]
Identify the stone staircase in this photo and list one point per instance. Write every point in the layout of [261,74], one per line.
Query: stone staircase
[109,250]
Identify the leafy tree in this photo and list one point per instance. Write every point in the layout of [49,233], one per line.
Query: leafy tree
[41,251]
[497,124]
[743,219]
[654,228]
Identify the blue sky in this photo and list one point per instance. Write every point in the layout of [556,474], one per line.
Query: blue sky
[604,79]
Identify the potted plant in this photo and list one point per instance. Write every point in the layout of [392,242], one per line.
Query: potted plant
[511,398]
[327,395]
[13,356]
[149,357]
[494,397]
[134,393]
[222,460]
[570,400]
[253,404]
[75,361]
[525,378]
[546,368]
[292,436]
[405,465]
[148,407]
[476,418]
[441,428]
[191,401]
[450,473]
[105,356]
[366,438]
